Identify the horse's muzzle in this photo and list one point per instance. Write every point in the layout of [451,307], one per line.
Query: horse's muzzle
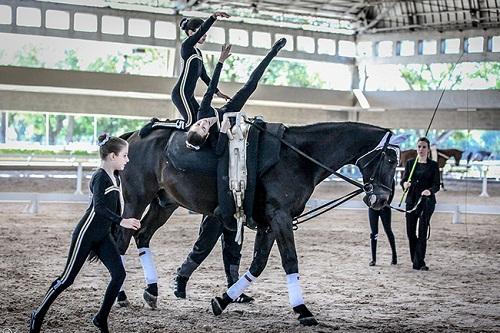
[374,201]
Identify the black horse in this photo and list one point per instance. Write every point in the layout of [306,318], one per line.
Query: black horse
[281,193]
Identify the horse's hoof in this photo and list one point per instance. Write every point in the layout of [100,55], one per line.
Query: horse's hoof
[102,326]
[217,306]
[308,321]
[35,324]
[122,300]
[123,304]
[306,318]
[150,299]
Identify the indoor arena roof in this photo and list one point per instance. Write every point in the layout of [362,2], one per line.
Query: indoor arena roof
[371,16]
[344,16]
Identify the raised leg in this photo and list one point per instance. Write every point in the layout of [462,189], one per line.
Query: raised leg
[240,98]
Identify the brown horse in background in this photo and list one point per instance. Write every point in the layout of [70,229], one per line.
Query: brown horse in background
[443,156]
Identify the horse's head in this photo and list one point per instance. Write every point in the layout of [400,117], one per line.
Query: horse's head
[378,168]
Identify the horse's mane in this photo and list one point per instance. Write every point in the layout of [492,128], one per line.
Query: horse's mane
[328,125]
[127,135]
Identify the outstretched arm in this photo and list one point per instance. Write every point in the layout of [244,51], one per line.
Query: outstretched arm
[195,38]
[205,110]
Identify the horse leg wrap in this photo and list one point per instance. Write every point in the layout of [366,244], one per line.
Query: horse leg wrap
[148,265]
[243,282]
[294,290]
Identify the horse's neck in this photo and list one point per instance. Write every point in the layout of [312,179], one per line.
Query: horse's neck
[335,144]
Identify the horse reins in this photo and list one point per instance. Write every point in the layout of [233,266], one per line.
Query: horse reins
[301,153]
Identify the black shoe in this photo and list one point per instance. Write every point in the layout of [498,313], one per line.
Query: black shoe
[394,261]
[279,44]
[180,286]
[102,326]
[424,268]
[244,299]
[35,323]
[372,263]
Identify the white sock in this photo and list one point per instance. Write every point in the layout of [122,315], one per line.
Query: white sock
[294,290]
[239,287]
[122,288]
[148,265]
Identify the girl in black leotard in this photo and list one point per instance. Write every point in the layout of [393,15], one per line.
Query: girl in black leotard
[423,185]
[93,233]
[192,67]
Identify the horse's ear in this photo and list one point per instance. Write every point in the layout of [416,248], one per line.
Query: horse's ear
[398,139]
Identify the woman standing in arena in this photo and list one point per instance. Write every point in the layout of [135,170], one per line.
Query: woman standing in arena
[420,201]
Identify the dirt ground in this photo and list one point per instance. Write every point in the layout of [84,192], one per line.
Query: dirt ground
[461,292]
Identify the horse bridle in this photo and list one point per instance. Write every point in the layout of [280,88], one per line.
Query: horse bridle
[379,157]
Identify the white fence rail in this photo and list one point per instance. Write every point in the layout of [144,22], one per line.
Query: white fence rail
[34,199]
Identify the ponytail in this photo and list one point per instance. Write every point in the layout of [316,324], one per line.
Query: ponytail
[110,144]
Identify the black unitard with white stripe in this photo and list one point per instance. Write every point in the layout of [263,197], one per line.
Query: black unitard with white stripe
[93,233]
[192,69]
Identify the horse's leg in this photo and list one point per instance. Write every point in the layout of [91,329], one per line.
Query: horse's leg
[156,216]
[264,241]
[135,206]
[441,178]
[286,245]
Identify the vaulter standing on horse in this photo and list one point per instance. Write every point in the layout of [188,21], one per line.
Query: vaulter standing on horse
[212,228]
[193,68]
[93,233]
